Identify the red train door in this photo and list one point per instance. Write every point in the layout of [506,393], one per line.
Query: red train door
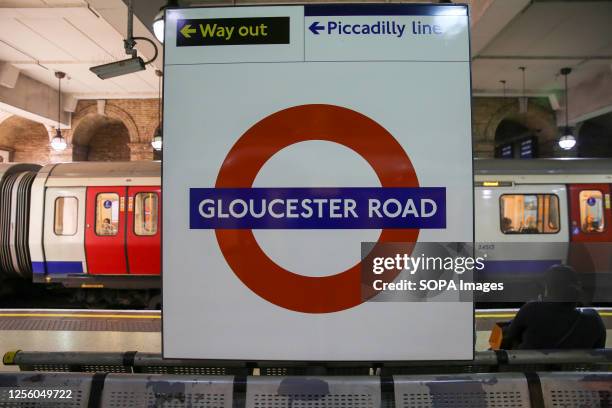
[105,231]
[144,230]
[590,213]
[590,220]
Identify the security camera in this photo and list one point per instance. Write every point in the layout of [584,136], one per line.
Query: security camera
[117,68]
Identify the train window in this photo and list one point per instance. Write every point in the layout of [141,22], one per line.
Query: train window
[529,213]
[145,214]
[591,211]
[65,220]
[107,214]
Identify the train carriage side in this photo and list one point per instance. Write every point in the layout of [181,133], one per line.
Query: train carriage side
[535,213]
[98,225]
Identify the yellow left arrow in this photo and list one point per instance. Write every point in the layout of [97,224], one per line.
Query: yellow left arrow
[187,31]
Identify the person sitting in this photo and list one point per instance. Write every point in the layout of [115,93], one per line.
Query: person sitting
[507,227]
[107,227]
[590,224]
[555,322]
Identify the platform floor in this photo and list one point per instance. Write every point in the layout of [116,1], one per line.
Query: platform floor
[104,330]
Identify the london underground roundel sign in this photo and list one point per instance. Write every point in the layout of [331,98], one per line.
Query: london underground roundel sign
[287,150]
[242,164]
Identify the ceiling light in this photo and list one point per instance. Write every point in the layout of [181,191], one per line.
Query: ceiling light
[159,20]
[158,26]
[157,141]
[567,141]
[58,143]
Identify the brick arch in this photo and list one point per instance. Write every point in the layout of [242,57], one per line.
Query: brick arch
[537,117]
[113,112]
[26,139]
[100,138]
[4,116]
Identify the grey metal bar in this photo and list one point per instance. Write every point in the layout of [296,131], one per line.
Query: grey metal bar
[154,363]
[67,358]
[598,356]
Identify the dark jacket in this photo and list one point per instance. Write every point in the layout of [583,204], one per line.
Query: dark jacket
[548,325]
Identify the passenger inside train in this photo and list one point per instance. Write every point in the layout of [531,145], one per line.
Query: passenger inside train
[554,322]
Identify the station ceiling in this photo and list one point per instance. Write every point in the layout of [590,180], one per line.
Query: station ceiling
[39,37]
[543,37]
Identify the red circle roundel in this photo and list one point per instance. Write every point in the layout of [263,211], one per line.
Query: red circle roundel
[242,164]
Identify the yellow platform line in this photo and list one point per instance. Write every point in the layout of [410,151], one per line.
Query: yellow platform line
[143,316]
[81,315]
[495,316]
[510,315]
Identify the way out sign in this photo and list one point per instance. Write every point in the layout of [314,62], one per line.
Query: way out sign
[292,135]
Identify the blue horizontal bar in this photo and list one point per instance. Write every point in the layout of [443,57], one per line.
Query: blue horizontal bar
[313,10]
[58,267]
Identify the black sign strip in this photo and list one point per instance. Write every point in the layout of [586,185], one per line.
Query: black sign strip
[232,31]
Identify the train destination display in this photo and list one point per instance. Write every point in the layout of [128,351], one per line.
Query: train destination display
[294,137]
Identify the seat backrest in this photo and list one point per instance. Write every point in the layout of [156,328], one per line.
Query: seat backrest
[508,390]
[561,390]
[313,392]
[154,390]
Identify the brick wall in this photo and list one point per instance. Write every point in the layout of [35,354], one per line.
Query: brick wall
[135,118]
[487,114]
[125,130]
[27,141]
[110,143]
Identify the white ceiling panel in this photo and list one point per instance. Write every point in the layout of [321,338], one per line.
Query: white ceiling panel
[99,32]
[29,41]
[56,30]
[62,3]
[22,3]
[9,53]
[133,83]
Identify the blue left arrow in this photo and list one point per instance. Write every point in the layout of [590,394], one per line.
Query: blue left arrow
[315,27]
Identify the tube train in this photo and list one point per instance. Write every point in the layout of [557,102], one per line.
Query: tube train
[98,225]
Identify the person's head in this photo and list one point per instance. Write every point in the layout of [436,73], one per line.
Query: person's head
[561,284]
[589,219]
[506,223]
[106,221]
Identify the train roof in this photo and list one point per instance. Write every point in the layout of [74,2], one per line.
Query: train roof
[10,168]
[103,173]
[543,166]
[571,170]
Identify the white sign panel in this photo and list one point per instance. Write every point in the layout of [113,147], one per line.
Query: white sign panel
[293,134]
